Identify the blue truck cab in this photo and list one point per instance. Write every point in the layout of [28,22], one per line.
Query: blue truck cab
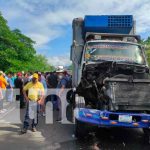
[110,77]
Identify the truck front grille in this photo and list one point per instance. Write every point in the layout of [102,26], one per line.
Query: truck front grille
[130,93]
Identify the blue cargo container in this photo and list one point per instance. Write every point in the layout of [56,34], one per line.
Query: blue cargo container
[108,24]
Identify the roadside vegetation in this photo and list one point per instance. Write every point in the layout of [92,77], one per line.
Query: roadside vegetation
[17,52]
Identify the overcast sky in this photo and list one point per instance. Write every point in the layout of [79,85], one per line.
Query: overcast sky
[48,22]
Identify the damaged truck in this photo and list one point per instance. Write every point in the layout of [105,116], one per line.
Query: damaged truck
[110,78]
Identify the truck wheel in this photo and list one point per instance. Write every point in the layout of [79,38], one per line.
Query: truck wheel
[69,96]
[146,135]
[80,129]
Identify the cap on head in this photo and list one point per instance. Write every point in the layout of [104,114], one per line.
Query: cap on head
[60,69]
[19,74]
[35,75]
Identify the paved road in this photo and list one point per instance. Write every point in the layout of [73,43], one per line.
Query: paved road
[60,137]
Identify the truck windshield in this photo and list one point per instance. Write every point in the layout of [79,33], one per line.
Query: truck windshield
[96,51]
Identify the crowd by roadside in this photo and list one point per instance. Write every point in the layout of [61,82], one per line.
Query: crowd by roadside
[59,80]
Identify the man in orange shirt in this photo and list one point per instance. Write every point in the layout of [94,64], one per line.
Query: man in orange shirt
[3,84]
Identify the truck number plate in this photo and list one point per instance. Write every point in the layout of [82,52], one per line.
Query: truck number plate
[125,118]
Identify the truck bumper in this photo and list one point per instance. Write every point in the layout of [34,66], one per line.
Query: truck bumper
[112,119]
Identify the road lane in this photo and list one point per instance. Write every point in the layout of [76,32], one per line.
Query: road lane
[58,136]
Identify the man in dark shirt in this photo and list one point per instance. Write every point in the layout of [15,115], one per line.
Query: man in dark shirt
[52,80]
[26,78]
[19,85]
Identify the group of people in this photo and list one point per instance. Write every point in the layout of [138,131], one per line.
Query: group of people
[33,88]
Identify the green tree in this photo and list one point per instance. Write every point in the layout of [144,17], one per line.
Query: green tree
[17,51]
[41,64]
[147,48]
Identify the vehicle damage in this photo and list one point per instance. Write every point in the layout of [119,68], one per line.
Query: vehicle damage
[111,81]
[112,85]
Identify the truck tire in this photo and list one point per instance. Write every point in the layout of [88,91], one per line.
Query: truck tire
[80,129]
[69,96]
[146,135]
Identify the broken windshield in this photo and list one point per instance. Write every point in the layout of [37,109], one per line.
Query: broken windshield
[114,52]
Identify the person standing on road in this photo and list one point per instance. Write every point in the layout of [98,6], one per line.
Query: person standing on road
[25,78]
[62,84]
[52,82]
[19,85]
[34,94]
[14,78]
[3,84]
[3,81]
[10,86]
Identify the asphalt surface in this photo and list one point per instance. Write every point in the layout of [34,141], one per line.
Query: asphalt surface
[59,136]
